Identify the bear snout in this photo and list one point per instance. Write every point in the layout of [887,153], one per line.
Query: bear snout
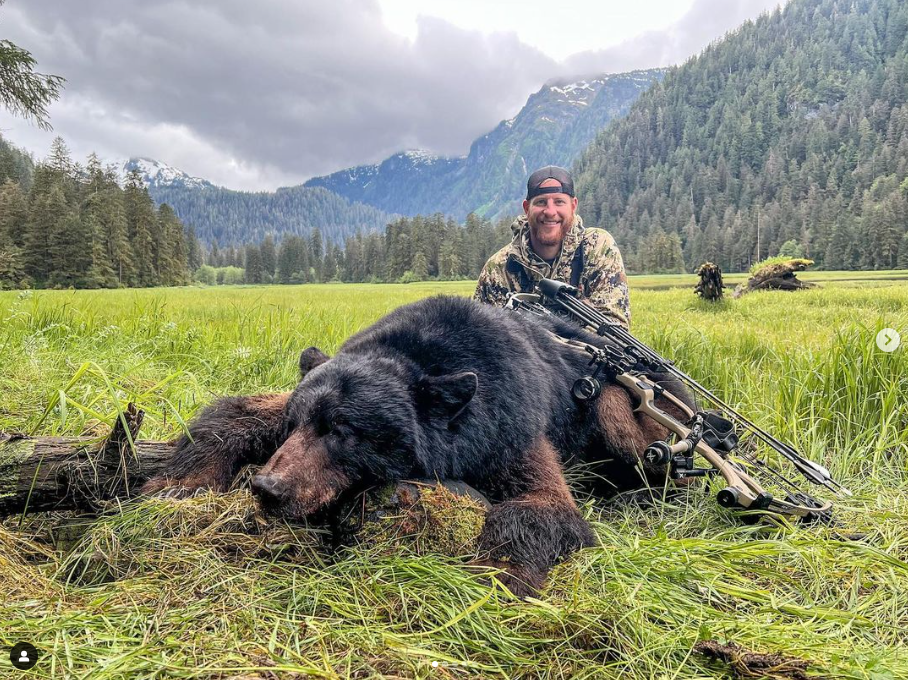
[270,488]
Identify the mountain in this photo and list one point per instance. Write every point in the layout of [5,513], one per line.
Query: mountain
[237,217]
[160,175]
[789,134]
[554,126]
[407,182]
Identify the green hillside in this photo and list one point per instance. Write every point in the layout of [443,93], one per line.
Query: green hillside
[15,164]
[793,129]
[237,217]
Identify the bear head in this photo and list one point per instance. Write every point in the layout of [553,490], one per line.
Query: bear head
[356,421]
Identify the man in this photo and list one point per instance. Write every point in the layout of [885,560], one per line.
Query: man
[551,242]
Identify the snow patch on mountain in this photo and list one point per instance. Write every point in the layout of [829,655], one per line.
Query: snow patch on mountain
[158,174]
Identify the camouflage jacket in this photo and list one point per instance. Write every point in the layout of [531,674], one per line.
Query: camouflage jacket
[602,281]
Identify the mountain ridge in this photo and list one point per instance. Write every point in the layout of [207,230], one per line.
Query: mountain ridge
[553,127]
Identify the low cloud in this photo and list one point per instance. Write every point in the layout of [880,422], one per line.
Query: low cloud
[704,22]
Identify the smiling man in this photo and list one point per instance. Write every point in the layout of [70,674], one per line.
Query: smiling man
[551,242]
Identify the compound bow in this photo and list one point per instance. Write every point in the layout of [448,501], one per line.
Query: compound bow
[626,361]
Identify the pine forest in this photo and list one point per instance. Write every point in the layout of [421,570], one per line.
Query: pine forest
[790,134]
[67,226]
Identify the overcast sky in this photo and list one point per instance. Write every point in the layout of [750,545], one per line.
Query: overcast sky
[255,95]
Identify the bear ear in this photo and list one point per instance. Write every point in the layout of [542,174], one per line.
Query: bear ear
[310,358]
[446,396]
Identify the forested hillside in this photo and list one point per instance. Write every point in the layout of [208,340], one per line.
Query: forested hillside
[791,130]
[15,165]
[553,127]
[238,217]
[62,225]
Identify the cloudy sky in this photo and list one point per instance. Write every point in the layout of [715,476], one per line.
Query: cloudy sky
[266,94]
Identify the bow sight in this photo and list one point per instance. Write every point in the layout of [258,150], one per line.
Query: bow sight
[624,360]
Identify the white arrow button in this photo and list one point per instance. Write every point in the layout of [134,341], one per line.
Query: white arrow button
[888,339]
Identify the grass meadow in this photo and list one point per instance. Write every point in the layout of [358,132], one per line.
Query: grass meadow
[206,588]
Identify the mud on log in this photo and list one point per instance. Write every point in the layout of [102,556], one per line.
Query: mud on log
[55,473]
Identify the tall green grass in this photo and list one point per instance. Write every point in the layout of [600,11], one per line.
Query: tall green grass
[205,588]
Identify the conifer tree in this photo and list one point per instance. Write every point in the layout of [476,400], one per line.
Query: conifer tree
[142,228]
[194,251]
[13,214]
[419,267]
[903,252]
[253,264]
[316,254]
[23,91]
[269,258]
[286,260]
[47,213]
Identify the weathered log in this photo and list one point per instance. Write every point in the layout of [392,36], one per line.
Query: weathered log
[776,276]
[39,474]
[77,473]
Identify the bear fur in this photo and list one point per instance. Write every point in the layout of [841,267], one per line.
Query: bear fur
[444,388]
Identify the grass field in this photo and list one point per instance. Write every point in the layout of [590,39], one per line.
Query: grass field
[202,588]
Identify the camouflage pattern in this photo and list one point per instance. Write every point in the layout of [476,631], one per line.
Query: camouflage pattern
[603,282]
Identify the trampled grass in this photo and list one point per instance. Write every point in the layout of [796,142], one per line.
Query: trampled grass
[201,588]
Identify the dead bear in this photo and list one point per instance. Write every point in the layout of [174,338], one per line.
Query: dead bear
[444,388]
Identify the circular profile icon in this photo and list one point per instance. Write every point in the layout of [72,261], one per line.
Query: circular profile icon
[23,656]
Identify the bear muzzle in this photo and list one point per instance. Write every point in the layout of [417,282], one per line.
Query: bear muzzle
[300,478]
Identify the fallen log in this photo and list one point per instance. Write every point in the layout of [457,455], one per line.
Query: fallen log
[77,473]
[776,275]
[39,474]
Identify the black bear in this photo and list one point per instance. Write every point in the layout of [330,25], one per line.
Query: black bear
[444,388]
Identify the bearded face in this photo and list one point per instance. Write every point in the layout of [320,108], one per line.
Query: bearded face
[550,217]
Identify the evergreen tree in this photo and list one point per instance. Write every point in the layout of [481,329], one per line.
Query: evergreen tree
[47,213]
[70,253]
[783,124]
[316,254]
[419,268]
[253,266]
[142,229]
[13,214]
[12,272]
[269,259]
[23,91]
[287,258]
[903,252]
[194,251]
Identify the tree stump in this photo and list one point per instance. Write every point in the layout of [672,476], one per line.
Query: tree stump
[710,286]
[776,275]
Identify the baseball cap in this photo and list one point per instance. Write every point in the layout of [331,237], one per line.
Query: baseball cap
[550,172]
